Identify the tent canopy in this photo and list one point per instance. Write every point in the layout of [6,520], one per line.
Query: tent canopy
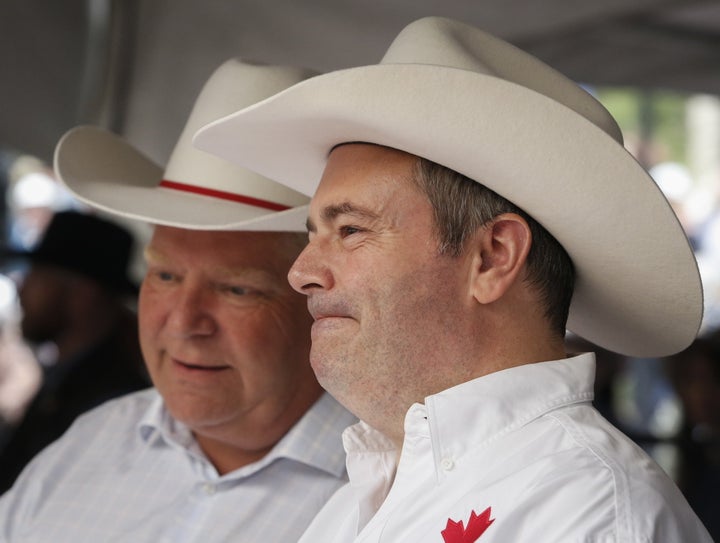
[135,66]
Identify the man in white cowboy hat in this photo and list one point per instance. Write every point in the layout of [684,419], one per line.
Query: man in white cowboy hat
[237,440]
[468,197]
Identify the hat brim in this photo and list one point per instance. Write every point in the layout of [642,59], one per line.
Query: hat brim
[638,290]
[114,176]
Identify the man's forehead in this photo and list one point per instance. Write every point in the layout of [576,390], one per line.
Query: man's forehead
[356,168]
[223,247]
[227,269]
[360,180]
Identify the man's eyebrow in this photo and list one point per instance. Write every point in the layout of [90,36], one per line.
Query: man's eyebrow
[246,273]
[225,273]
[332,212]
[151,254]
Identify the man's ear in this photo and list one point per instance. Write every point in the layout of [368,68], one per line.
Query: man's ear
[500,252]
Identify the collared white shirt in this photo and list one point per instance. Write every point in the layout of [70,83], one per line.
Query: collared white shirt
[516,456]
[128,472]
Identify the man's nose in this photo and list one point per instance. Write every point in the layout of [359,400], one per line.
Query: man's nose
[309,271]
[193,313]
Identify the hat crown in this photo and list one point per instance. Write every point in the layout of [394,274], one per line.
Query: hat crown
[453,94]
[232,86]
[452,44]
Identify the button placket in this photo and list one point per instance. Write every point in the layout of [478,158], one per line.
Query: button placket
[447,463]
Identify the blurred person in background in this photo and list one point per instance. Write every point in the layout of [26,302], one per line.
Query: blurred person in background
[33,195]
[76,300]
[20,374]
[695,374]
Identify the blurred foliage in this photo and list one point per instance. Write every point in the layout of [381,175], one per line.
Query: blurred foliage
[660,114]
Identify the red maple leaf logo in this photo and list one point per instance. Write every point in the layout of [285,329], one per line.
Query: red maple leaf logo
[455,532]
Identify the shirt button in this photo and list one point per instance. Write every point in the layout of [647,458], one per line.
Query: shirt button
[447,464]
[209,489]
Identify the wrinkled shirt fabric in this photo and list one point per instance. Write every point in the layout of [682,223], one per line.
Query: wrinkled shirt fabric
[522,449]
[127,471]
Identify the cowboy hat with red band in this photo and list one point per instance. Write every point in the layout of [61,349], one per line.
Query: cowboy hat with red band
[197,190]
[457,96]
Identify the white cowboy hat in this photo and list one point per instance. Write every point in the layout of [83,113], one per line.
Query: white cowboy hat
[459,97]
[197,190]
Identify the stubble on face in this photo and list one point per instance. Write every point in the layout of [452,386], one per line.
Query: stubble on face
[398,293]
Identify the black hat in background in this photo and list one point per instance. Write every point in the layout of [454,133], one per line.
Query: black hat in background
[87,245]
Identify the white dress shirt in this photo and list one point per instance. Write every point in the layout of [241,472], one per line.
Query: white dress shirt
[128,472]
[524,453]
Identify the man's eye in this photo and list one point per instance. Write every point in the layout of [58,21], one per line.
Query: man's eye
[237,291]
[164,276]
[349,230]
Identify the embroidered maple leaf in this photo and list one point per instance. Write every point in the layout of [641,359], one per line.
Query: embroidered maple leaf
[455,532]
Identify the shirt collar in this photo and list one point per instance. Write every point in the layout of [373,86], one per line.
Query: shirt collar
[314,440]
[472,415]
[156,422]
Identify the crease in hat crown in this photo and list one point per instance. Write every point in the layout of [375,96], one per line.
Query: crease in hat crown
[196,189]
[452,45]
[457,96]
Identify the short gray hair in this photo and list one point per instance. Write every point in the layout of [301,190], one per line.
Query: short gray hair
[462,205]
